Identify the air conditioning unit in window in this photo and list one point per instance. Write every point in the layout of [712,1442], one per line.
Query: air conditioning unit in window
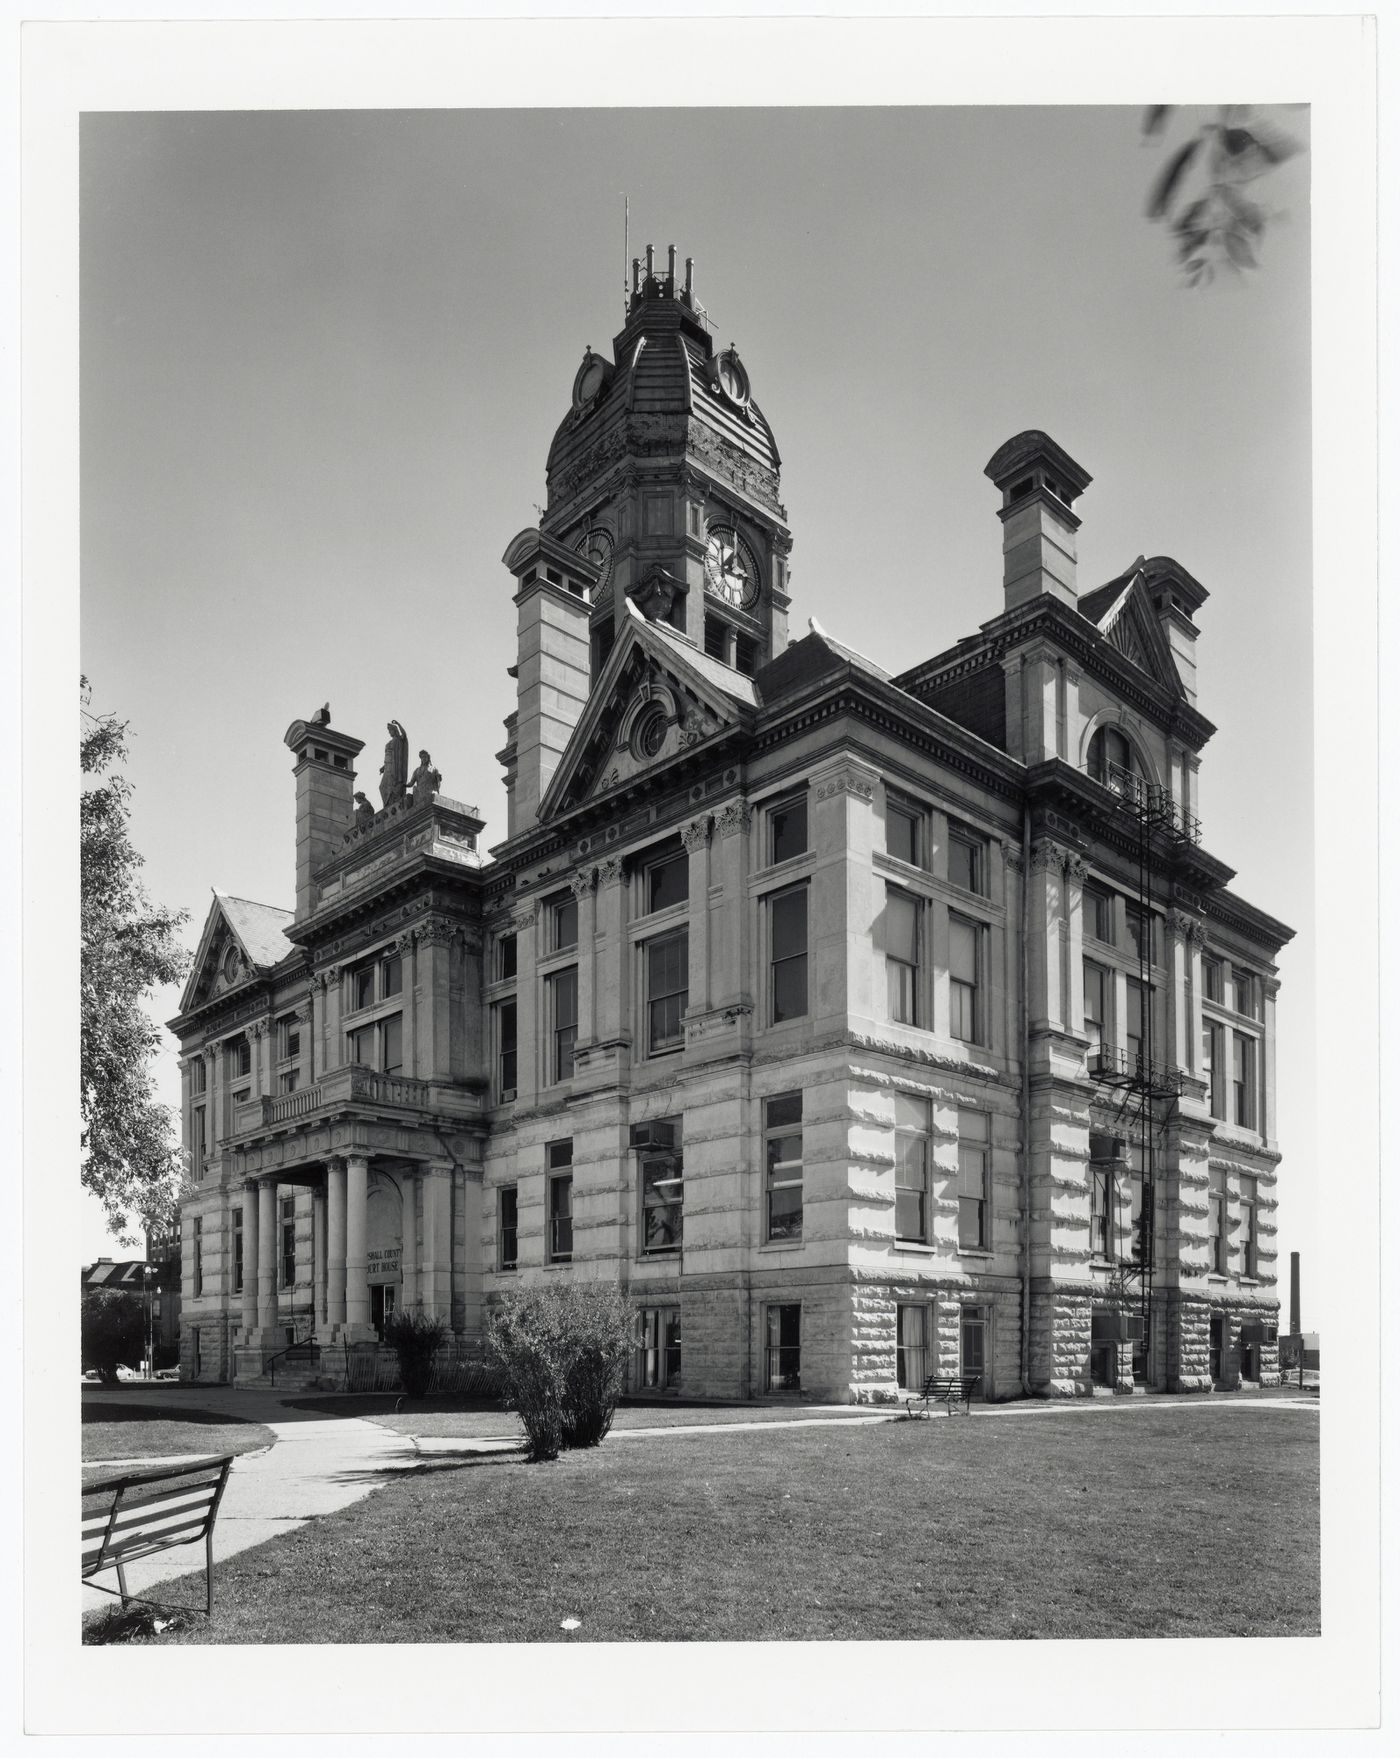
[653,1135]
[1256,1331]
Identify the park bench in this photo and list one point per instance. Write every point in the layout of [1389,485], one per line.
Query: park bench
[127,1518]
[952,1390]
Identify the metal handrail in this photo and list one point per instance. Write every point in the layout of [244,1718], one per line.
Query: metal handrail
[306,1342]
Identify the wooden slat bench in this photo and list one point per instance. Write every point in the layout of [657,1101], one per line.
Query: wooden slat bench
[951,1390]
[127,1518]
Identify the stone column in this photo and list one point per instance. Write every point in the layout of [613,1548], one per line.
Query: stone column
[732,867]
[527,1010]
[1268,1073]
[696,837]
[408,1242]
[841,900]
[1072,942]
[435,1271]
[267,1258]
[335,1245]
[357,1323]
[318,1260]
[1045,955]
[433,1025]
[214,1106]
[407,945]
[252,1257]
[467,1272]
[1182,1046]
[581,884]
[261,1032]
[334,1047]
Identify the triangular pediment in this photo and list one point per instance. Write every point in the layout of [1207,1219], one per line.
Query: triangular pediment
[656,699]
[1130,624]
[239,944]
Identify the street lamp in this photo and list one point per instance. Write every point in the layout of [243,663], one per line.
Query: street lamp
[147,1271]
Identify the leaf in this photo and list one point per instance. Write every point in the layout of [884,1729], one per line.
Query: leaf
[1240,253]
[1156,117]
[1166,184]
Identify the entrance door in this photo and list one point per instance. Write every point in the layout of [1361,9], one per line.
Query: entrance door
[383,1297]
[1217,1344]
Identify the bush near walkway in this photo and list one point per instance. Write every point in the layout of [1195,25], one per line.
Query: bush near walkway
[416,1338]
[562,1353]
[1178,1521]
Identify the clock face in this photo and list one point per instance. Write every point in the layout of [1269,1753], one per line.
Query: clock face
[590,380]
[597,545]
[731,573]
[733,380]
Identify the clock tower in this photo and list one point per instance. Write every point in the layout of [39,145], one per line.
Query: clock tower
[664,474]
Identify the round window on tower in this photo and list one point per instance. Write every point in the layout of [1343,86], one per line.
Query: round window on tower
[732,379]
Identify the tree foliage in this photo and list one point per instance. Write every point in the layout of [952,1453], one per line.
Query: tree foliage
[131,1159]
[113,1331]
[562,1353]
[1199,195]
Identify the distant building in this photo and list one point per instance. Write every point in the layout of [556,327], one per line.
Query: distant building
[863,1026]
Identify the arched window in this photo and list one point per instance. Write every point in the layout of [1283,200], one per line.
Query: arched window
[1113,760]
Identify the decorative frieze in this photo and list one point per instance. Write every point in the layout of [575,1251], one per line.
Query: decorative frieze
[849,781]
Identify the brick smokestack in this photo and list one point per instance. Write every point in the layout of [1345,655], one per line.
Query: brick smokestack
[1038,483]
[325,772]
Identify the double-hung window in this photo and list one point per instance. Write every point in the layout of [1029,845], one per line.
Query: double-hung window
[787,954]
[197,1256]
[964,979]
[1245,1081]
[505,1051]
[1212,978]
[199,1144]
[378,1045]
[289,1242]
[1135,1035]
[236,1222]
[967,860]
[1142,932]
[1246,994]
[972,1341]
[563,924]
[1098,914]
[787,828]
[1219,1235]
[1098,988]
[659,1356]
[560,1194]
[902,956]
[240,1058]
[974,1180]
[506,958]
[562,998]
[783,1357]
[782,1141]
[903,831]
[668,987]
[911,1347]
[1213,1064]
[1249,1226]
[508,1227]
[1105,1162]
[663,1201]
[912,1155]
[665,881]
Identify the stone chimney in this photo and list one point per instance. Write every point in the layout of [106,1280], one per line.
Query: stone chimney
[1038,483]
[325,772]
[554,589]
[1176,598]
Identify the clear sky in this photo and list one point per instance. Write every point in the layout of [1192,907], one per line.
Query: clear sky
[323,355]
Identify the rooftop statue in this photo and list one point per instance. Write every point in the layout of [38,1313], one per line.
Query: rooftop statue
[364,813]
[425,781]
[393,773]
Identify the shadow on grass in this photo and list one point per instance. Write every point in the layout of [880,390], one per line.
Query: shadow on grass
[119,1412]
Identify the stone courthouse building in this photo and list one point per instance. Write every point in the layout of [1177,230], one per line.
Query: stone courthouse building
[863,1026]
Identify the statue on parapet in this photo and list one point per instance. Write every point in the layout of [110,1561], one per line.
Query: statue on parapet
[425,780]
[364,813]
[393,773]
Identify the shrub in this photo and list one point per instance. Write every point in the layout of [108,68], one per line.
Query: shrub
[417,1339]
[113,1331]
[562,1354]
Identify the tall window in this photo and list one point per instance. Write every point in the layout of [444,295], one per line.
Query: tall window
[1213,1065]
[663,1202]
[1246,994]
[505,1050]
[787,829]
[199,1076]
[1139,1220]
[198,1141]
[1249,1226]
[1113,761]
[972,1341]
[289,1080]
[240,1058]
[197,1241]
[507,1227]
[376,979]
[1142,932]
[236,1220]
[288,1038]
[912,1145]
[903,831]
[1212,979]
[967,860]
[1098,914]
[562,990]
[1105,1162]
[563,924]
[787,928]
[289,1242]
[378,1045]
[506,958]
[902,956]
[784,1352]
[666,881]
[560,1158]
[974,1181]
[1244,1081]
[782,1140]
[1097,990]
[1219,1255]
[1136,1033]
[659,1362]
[911,1347]
[668,980]
[964,979]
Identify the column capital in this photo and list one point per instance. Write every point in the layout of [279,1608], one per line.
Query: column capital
[609,871]
[697,833]
[734,817]
[582,882]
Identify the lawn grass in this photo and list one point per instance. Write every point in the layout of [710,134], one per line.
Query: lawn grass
[136,1431]
[1175,1522]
